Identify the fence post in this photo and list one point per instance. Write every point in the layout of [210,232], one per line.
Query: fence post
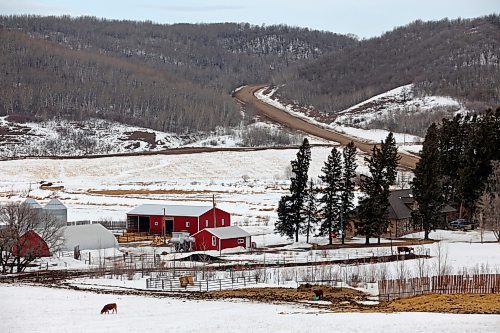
[220,285]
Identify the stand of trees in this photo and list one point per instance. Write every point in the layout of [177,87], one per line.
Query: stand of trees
[457,58]
[302,210]
[456,167]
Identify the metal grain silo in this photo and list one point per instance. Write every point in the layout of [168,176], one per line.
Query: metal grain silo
[56,208]
[33,204]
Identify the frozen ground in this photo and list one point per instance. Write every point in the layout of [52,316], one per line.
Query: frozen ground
[27,309]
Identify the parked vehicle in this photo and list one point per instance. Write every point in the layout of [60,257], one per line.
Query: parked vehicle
[461,224]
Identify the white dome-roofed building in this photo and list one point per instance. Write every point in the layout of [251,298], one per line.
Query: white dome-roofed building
[87,237]
[57,209]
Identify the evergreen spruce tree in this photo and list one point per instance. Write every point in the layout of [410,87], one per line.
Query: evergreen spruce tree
[347,195]
[373,208]
[478,154]
[284,226]
[426,186]
[310,210]
[451,143]
[330,199]
[290,210]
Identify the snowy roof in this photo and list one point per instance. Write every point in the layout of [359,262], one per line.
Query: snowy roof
[88,237]
[170,210]
[227,232]
[54,204]
[32,202]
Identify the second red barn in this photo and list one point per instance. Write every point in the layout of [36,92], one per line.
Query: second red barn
[164,219]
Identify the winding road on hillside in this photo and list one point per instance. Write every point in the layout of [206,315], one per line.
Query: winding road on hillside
[246,96]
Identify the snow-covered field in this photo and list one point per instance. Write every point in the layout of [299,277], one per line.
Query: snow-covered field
[37,309]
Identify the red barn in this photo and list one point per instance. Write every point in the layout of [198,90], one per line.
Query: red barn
[31,245]
[221,238]
[160,219]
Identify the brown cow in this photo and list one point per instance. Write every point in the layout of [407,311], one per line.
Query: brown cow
[318,293]
[109,307]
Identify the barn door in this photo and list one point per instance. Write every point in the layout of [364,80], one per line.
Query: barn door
[169,225]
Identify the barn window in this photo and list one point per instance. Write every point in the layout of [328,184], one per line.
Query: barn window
[222,221]
[214,241]
[206,223]
[156,224]
[241,241]
[187,224]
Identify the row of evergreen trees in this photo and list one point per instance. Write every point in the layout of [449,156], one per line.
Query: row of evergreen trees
[456,161]
[329,205]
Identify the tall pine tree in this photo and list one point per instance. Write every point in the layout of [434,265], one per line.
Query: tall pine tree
[347,195]
[330,199]
[382,164]
[310,210]
[290,209]
[426,186]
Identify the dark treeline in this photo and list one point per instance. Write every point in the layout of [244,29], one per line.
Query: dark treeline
[168,77]
[458,58]
[456,161]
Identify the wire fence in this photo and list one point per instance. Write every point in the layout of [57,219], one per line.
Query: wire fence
[176,285]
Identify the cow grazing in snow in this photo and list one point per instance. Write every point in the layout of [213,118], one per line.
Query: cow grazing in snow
[109,307]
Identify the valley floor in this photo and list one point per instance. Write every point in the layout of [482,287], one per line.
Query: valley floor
[27,309]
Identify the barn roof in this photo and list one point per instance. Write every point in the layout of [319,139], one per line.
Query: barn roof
[88,237]
[227,232]
[170,210]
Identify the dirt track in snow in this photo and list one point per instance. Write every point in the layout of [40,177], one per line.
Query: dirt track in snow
[246,95]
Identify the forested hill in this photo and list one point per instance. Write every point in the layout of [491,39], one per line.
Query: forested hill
[174,78]
[458,58]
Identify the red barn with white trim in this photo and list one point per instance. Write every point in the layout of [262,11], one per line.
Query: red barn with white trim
[160,219]
[221,238]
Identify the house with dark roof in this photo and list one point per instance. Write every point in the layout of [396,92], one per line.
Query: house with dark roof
[402,204]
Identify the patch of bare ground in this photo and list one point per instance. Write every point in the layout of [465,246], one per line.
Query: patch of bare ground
[458,303]
[342,299]
[145,192]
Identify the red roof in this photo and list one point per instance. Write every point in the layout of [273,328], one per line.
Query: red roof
[31,245]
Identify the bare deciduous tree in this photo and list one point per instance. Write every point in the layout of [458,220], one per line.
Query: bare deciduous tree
[16,220]
[489,203]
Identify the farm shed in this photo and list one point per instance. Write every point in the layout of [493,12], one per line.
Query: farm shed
[87,237]
[164,219]
[31,245]
[221,238]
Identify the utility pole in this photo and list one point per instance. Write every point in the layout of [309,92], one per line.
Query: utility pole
[213,206]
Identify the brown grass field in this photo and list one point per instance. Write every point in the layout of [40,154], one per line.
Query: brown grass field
[347,300]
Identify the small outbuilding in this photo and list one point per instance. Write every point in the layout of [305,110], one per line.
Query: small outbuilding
[165,219]
[31,245]
[221,238]
[87,237]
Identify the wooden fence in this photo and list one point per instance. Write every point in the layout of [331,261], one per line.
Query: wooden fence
[443,284]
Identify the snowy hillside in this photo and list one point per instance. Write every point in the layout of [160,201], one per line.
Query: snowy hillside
[95,136]
[370,119]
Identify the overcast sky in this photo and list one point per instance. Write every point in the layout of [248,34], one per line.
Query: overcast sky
[365,18]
